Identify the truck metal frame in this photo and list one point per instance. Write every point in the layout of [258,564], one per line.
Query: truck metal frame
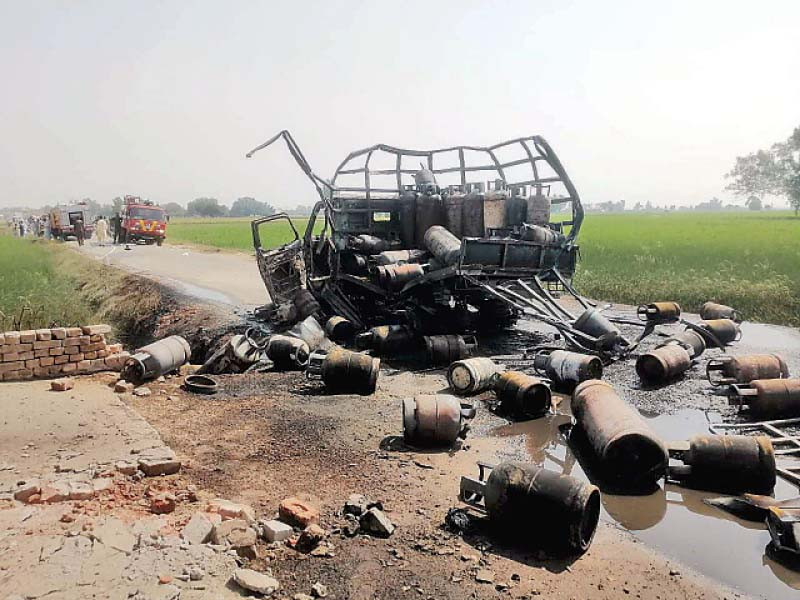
[364,196]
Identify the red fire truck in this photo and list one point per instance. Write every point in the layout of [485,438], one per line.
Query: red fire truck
[142,220]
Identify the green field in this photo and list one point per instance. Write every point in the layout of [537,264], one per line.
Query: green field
[34,290]
[231,233]
[747,259]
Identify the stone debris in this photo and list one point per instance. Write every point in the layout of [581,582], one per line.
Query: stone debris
[158,461]
[113,533]
[319,591]
[254,581]
[123,387]
[310,538]
[484,576]
[62,385]
[162,504]
[27,489]
[302,597]
[375,522]
[237,534]
[142,391]
[276,531]
[231,510]
[198,529]
[298,512]
[356,504]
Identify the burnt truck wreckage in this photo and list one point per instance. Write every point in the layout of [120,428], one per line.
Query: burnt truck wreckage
[409,238]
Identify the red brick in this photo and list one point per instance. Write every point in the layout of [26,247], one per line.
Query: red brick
[56,351]
[11,376]
[31,364]
[54,370]
[72,341]
[69,368]
[90,355]
[98,337]
[27,355]
[44,334]
[74,332]
[60,360]
[84,365]
[75,358]
[102,353]
[27,336]
[12,337]
[7,367]
[41,371]
[24,374]
[42,344]
[72,350]
[58,333]
[62,385]
[46,361]
[41,353]
[12,356]
[298,512]
[99,364]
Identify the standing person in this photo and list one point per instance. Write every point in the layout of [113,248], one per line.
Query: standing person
[47,233]
[116,224]
[80,233]
[101,226]
[22,228]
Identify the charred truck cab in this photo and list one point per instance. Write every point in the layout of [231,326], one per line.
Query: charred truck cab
[431,239]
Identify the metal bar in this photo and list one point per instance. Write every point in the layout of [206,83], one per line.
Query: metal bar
[552,300]
[462,165]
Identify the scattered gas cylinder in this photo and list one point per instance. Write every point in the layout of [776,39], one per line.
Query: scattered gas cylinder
[435,420]
[287,352]
[532,503]
[368,244]
[724,330]
[386,340]
[539,234]
[446,349]
[523,396]
[694,343]
[768,398]
[339,329]
[659,312]
[593,323]
[626,447]
[343,371]
[730,463]
[663,364]
[711,310]
[354,264]
[400,257]
[395,277]
[443,245]
[567,368]
[156,359]
[306,304]
[473,375]
[744,369]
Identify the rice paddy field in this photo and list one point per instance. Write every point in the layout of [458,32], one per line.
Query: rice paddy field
[750,260]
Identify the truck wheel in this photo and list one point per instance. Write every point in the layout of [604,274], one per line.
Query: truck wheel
[160,241]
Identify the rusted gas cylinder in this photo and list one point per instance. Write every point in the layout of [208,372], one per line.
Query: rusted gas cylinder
[446,349]
[287,352]
[659,312]
[712,310]
[430,212]
[435,420]
[744,369]
[592,322]
[408,219]
[339,329]
[400,257]
[663,364]
[694,343]
[395,277]
[768,398]
[156,359]
[494,209]
[386,340]
[523,396]
[532,503]
[626,447]
[516,208]
[354,264]
[368,244]
[539,234]
[731,463]
[454,212]
[473,375]
[567,368]
[472,216]
[306,304]
[343,371]
[725,330]
[443,245]
[538,209]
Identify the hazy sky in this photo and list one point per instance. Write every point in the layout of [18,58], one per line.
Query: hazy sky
[642,100]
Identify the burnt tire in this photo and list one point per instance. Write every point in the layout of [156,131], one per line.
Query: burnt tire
[494,316]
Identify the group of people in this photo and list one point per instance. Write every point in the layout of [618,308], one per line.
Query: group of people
[33,226]
[39,226]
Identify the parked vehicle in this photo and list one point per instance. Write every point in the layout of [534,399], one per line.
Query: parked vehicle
[141,220]
[62,221]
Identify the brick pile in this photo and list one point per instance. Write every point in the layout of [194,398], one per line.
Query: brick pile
[58,351]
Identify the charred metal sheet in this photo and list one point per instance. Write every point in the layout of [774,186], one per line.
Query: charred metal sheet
[536,506]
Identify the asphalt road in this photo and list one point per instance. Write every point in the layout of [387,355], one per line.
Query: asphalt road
[224,277]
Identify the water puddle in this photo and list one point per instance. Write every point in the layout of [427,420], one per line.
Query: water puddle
[673,520]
